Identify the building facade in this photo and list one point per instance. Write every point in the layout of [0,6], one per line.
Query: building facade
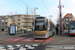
[65,20]
[21,20]
[68,17]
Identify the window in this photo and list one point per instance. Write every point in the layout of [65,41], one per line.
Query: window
[18,19]
[66,22]
[66,19]
[19,16]
[18,26]
[18,23]
[70,19]
[2,23]
[14,20]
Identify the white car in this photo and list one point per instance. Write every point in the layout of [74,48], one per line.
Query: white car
[6,30]
[28,29]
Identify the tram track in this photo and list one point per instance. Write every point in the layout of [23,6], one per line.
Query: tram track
[39,46]
[9,42]
[22,43]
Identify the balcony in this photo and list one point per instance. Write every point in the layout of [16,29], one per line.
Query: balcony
[5,20]
[29,25]
[24,25]
[6,17]
[24,20]
[30,21]
[6,25]
[29,17]
[25,17]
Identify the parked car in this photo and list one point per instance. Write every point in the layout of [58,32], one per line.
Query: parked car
[21,29]
[6,30]
[28,29]
[31,28]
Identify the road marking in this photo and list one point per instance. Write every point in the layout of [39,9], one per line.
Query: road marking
[48,40]
[38,40]
[35,45]
[18,47]
[18,39]
[27,39]
[11,39]
[60,46]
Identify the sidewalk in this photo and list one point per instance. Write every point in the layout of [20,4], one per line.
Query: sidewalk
[5,36]
[57,39]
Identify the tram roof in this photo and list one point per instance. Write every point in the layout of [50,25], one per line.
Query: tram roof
[39,16]
[44,17]
[50,21]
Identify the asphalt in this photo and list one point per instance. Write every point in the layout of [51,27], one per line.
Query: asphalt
[61,42]
[5,35]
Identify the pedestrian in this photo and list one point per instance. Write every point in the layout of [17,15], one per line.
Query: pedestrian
[0,30]
[56,30]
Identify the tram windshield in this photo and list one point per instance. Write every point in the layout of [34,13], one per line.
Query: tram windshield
[40,24]
[72,26]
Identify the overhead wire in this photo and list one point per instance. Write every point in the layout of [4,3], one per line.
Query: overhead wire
[45,6]
[24,3]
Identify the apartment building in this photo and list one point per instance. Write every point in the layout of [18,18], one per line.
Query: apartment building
[21,20]
[2,25]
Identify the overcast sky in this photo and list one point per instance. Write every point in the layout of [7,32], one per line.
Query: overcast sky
[46,8]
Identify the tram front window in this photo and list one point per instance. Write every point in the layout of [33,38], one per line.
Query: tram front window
[40,26]
[72,26]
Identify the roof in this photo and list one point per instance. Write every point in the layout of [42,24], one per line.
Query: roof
[73,18]
[68,15]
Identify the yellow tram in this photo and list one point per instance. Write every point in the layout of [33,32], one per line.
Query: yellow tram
[43,28]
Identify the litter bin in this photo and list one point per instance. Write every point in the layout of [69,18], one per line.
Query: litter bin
[24,31]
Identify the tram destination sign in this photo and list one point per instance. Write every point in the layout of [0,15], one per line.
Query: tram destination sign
[39,19]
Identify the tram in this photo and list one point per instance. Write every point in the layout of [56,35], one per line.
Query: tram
[43,28]
[71,27]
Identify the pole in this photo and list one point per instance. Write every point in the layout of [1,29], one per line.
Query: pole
[60,14]
[34,11]
[27,17]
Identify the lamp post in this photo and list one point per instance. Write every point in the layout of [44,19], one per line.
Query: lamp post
[60,15]
[35,10]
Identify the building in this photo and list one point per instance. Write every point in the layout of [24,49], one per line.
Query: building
[73,18]
[68,17]
[21,20]
[65,20]
[2,23]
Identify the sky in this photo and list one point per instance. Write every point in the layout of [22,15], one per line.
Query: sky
[46,8]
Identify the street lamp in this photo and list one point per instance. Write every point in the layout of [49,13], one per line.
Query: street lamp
[35,10]
[60,15]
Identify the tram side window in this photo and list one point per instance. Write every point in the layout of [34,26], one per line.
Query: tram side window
[52,26]
[46,24]
[49,26]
